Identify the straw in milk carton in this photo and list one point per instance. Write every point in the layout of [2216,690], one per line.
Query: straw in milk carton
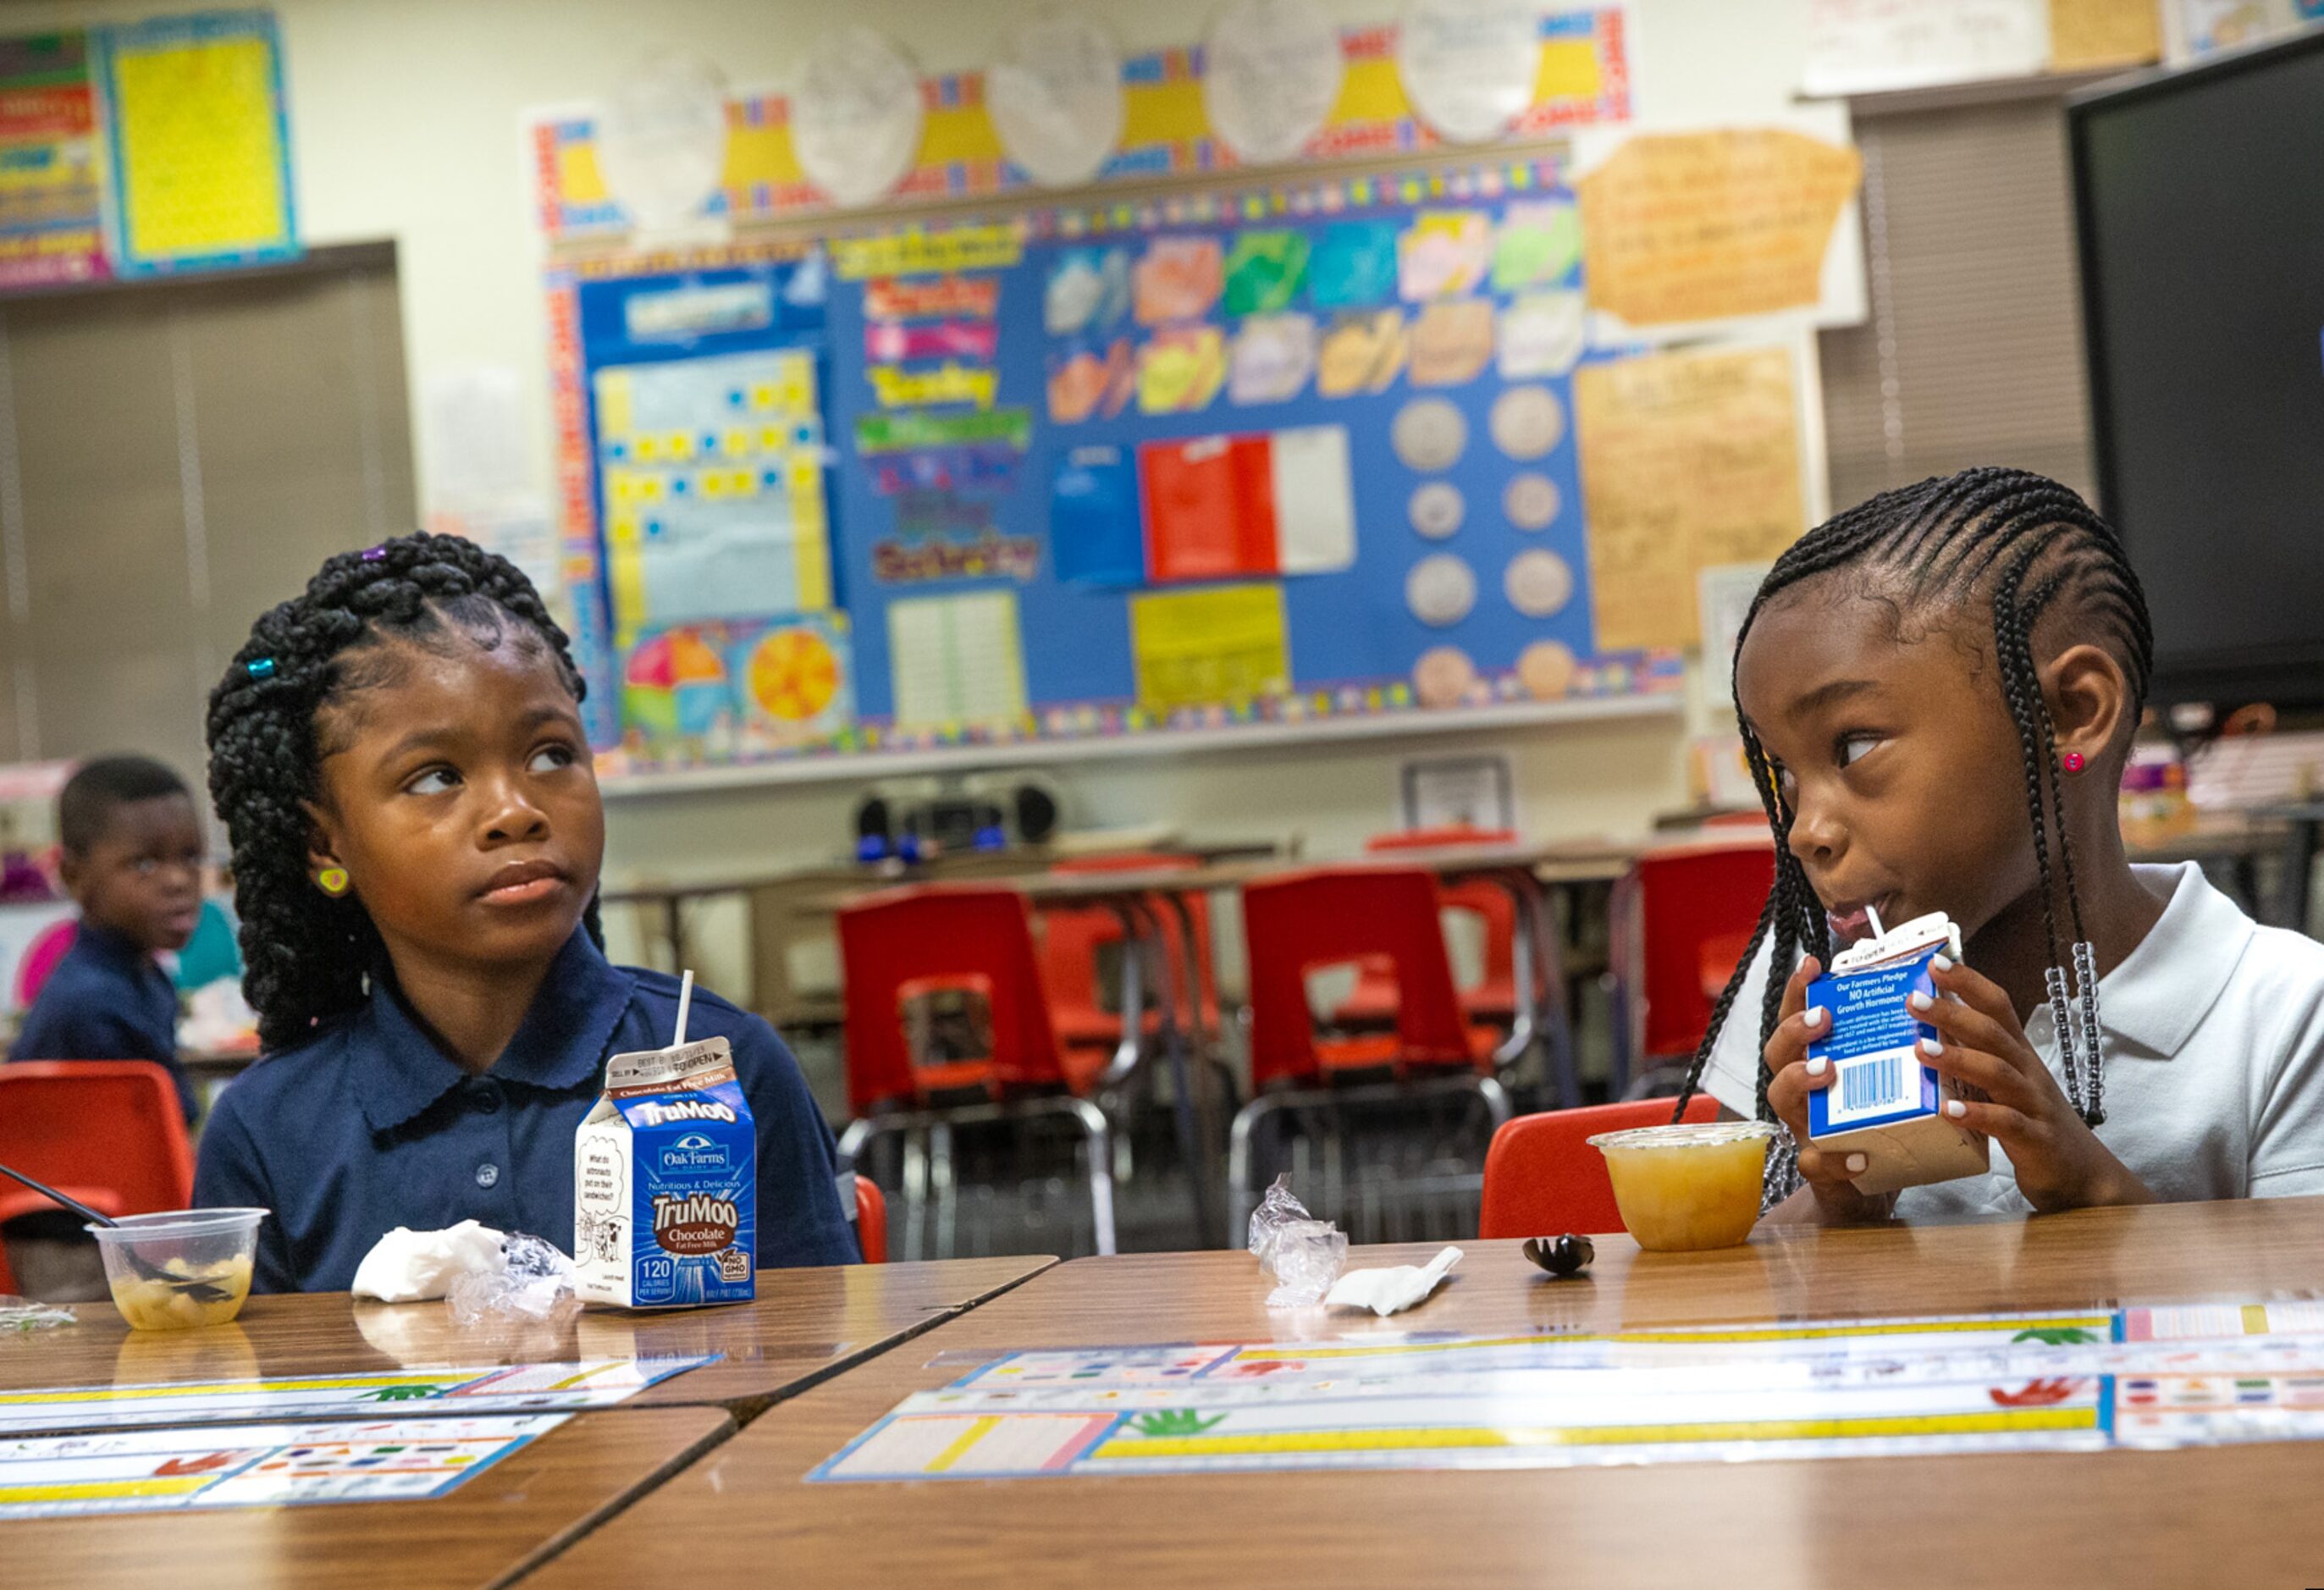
[1884,1103]
[666,1179]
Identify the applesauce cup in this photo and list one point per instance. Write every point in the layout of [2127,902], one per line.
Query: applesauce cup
[179,1271]
[1685,1187]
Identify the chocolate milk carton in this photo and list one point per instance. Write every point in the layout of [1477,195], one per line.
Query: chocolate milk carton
[666,1182]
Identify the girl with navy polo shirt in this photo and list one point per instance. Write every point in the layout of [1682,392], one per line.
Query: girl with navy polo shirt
[398,757]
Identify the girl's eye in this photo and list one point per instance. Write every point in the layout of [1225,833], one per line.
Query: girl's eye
[549,758]
[436,781]
[1853,746]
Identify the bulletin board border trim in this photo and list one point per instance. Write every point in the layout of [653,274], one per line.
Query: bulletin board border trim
[823,767]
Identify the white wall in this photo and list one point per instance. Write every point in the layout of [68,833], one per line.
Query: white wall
[405,121]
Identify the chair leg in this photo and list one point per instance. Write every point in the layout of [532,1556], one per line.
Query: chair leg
[1101,1169]
[1497,1099]
[915,1190]
[1240,1197]
[940,1182]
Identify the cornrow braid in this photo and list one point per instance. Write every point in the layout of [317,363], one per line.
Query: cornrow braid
[2030,543]
[308,958]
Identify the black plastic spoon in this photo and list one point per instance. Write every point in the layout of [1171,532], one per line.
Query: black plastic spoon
[201,1291]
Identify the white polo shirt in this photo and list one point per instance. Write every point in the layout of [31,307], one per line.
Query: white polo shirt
[2214,1059]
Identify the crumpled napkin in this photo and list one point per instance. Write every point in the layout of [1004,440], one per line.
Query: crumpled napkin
[1392,1289]
[407,1266]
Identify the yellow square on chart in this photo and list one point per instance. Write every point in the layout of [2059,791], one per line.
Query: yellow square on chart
[680,445]
[648,449]
[613,407]
[200,149]
[737,442]
[763,395]
[621,529]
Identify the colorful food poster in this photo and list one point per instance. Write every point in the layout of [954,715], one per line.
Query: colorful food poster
[254,1465]
[728,692]
[504,1389]
[199,143]
[1962,1385]
[713,472]
[51,186]
[1689,460]
[1683,228]
[957,660]
[1224,644]
[1582,78]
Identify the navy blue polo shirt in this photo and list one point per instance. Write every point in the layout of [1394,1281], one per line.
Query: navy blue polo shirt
[371,1126]
[107,1000]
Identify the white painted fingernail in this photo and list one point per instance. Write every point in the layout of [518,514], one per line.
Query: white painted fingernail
[1818,1065]
[1955,1108]
[1931,1046]
[1855,1162]
[1918,1001]
[1942,963]
[1812,1016]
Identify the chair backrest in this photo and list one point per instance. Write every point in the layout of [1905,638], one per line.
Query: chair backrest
[109,1132]
[1333,916]
[871,1220]
[1071,935]
[1543,1179]
[941,931]
[1678,899]
[1490,904]
[48,947]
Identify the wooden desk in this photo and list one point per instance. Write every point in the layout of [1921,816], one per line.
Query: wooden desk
[805,1327]
[523,1509]
[2232,1515]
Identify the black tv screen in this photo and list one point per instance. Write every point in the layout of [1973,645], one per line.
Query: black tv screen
[2200,198]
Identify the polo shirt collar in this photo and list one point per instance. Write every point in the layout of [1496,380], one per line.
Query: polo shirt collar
[563,1038]
[2152,1004]
[111,947]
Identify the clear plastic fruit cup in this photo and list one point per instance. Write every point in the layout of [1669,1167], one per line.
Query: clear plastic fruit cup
[1681,1188]
[181,1270]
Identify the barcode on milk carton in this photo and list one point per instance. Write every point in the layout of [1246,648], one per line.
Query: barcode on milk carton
[1874,1084]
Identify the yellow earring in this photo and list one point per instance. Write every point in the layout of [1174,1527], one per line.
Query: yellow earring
[332,881]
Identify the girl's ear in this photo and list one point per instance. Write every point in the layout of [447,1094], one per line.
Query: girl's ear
[322,838]
[2089,696]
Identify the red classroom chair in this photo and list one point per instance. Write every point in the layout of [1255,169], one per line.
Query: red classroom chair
[1337,915]
[1494,997]
[871,1220]
[1543,1179]
[1071,939]
[901,942]
[1678,912]
[109,1132]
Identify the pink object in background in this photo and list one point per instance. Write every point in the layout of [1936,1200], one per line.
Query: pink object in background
[40,958]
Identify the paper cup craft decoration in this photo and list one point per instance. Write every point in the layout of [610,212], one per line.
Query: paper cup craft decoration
[1537,583]
[674,685]
[1468,65]
[1444,677]
[1436,509]
[1055,99]
[1440,590]
[855,115]
[1546,669]
[1271,70]
[1428,434]
[1530,502]
[1526,421]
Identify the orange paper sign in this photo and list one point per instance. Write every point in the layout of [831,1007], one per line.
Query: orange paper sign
[1685,226]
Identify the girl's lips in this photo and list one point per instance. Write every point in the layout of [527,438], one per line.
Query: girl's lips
[525,892]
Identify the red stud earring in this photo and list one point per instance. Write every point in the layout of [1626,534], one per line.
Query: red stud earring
[2073,760]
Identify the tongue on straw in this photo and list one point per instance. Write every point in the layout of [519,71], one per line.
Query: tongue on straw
[684,998]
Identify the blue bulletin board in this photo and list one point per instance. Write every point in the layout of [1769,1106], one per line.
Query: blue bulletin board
[1304,452]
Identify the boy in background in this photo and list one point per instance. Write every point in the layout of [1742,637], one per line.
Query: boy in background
[133,859]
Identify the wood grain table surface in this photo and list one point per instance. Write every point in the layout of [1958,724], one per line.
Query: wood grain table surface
[2243,1515]
[804,1327]
[522,1510]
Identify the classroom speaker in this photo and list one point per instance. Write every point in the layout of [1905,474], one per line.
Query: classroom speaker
[1034,810]
[875,831]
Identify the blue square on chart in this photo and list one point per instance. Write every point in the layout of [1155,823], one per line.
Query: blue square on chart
[734,398]
[619,450]
[678,486]
[653,530]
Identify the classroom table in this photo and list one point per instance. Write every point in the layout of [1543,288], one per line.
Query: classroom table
[518,1512]
[2239,1515]
[804,1327]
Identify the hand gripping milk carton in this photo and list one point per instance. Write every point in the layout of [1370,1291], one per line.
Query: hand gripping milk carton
[1883,1103]
[666,1181]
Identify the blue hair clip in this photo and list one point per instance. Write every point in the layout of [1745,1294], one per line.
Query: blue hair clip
[374,555]
[262,667]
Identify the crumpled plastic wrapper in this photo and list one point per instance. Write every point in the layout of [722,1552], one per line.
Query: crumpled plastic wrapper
[21,1314]
[407,1266]
[534,1281]
[1303,1254]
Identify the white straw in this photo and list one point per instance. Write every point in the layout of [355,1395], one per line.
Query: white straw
[684,998]
[1870,916]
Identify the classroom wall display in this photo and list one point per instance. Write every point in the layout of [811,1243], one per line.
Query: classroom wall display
[197,143]
[1581,77]
[1875,46]
[51,188]
[1299,452]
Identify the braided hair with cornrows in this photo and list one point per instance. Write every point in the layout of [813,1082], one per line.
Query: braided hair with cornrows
[309,956]
[2027,544]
